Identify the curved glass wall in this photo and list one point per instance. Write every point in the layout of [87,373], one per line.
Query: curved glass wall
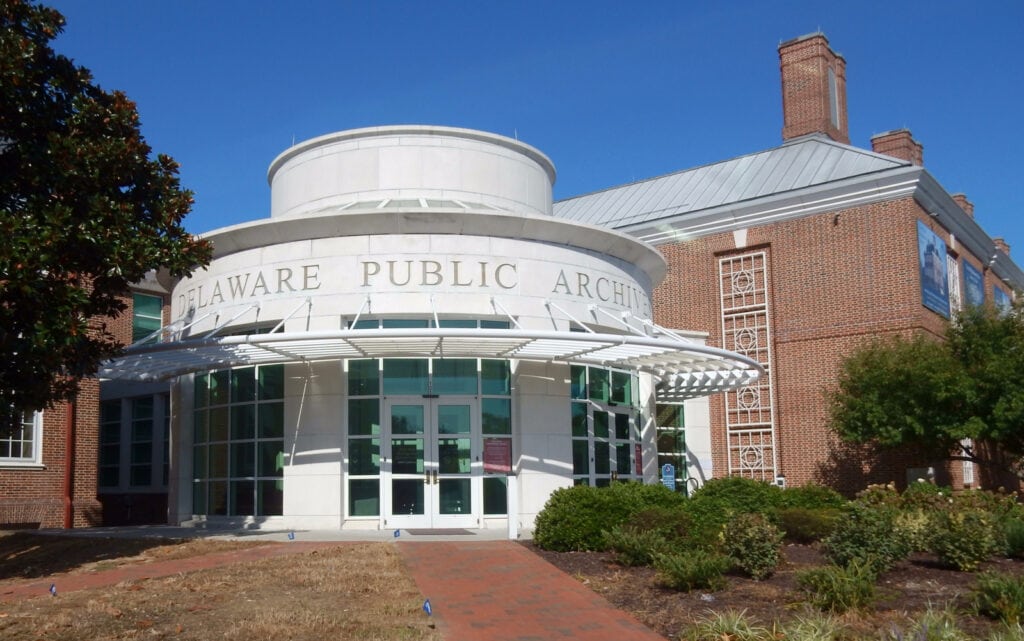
[605,426]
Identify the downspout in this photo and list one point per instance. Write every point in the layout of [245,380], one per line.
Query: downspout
[69,464]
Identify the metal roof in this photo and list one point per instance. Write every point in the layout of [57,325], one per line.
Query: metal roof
[800,163]
[684,369]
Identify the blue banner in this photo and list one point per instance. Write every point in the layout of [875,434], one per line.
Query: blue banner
[974,285]
[931,254]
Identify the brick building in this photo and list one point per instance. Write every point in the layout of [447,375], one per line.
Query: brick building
[797,254]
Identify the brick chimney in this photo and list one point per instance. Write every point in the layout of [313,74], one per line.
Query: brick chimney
[813,89]
[899,144]
[1002,245]
[966,205]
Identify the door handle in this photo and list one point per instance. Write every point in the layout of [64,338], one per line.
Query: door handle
[426,477]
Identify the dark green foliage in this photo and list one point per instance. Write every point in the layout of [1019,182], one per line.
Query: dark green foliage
[754,544]
[838,589]
[933,394]
[802,525]
[1013,537]
[962,539]
[692,569]
[635,547]
[867,536]
[670,523]
[1000,596]
[812,497]
[85,210]
[575,518]
[715,503]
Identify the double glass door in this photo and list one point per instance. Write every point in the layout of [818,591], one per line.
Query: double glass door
[430,450]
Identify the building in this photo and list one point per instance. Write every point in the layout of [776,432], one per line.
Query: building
[411,340]
[795,255]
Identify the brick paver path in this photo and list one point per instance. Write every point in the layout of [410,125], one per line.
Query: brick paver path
[500,591]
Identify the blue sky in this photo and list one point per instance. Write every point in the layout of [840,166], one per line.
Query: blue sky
[611,91]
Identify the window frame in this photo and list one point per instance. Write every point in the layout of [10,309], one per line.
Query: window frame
[36,459]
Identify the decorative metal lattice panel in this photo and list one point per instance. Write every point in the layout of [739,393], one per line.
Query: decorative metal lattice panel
[749,410]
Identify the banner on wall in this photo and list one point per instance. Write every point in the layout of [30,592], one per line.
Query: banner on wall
[974,285]
[931,254]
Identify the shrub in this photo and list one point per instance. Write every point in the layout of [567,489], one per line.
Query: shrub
[867,535]
[925,496]
[811,497]
[962,539]
[718,500]
[692,569]
[635,547]
[880,496]
[575,517]
[813,626]
[671,523]
[838,589]
[914,525]
[803,525]
[1000,596]
[730,624]
[932,625]
[753,544]
[1013,537]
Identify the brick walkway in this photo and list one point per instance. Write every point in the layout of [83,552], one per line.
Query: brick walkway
[500,591]
[479,591]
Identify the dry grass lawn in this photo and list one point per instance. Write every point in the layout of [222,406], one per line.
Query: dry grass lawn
[352,591]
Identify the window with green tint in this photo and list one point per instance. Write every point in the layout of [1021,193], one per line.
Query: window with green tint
[147,315]
[141,451]
[363,416]
[602,458]
[271,420]
[271,382]
[271,458]
[622,390]
[600,424]
[270,497]
[364,456]
[218,422]
[494,324]
[579,419]
[598,384]
[457,323]
[201,390]
[219,387]
[405,323]
[453,419]
[578,381]
[200,432]
[496,415]
[243,422]
[110,444]
[243,459]
[406,419]
[495,495]
[243,385]
[405,376]
[580,457]
[366,323]
[623,458]
[495,377]
[622,426]
[455,376]
[364,497]
[363,377]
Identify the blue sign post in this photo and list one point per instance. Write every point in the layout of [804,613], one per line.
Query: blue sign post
[668,476]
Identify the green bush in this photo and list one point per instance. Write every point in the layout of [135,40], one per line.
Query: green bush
[915,526]
[838,589]
[804,525]
[731,624]
[575,517]
[635,547]
[671,523]
[718,500]
[1013,537]
[1000,596]
[811,497]
[754,544]
[932,625]
[963,539]
[867,535]
[692,569]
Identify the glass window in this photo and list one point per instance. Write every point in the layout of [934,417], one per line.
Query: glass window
[405,376]
[578,381]
[455,376]
[364,497]
[495,377]
[496,415]
[495,495]
[110,444]
[147,315]
[141,452]
[604,427]
[363,377]
[238,454]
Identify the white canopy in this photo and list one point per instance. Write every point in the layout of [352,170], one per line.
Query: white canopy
[684,369]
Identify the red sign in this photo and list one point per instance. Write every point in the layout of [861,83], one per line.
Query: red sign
[639,460]
[498,455]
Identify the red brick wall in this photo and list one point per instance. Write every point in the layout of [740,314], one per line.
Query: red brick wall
[835,281]
[806,108]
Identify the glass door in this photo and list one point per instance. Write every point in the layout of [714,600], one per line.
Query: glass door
[430,448]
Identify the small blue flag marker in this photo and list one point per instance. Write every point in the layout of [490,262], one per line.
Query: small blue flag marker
[291,536]
[53,589]
[426,608]
[398,533]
